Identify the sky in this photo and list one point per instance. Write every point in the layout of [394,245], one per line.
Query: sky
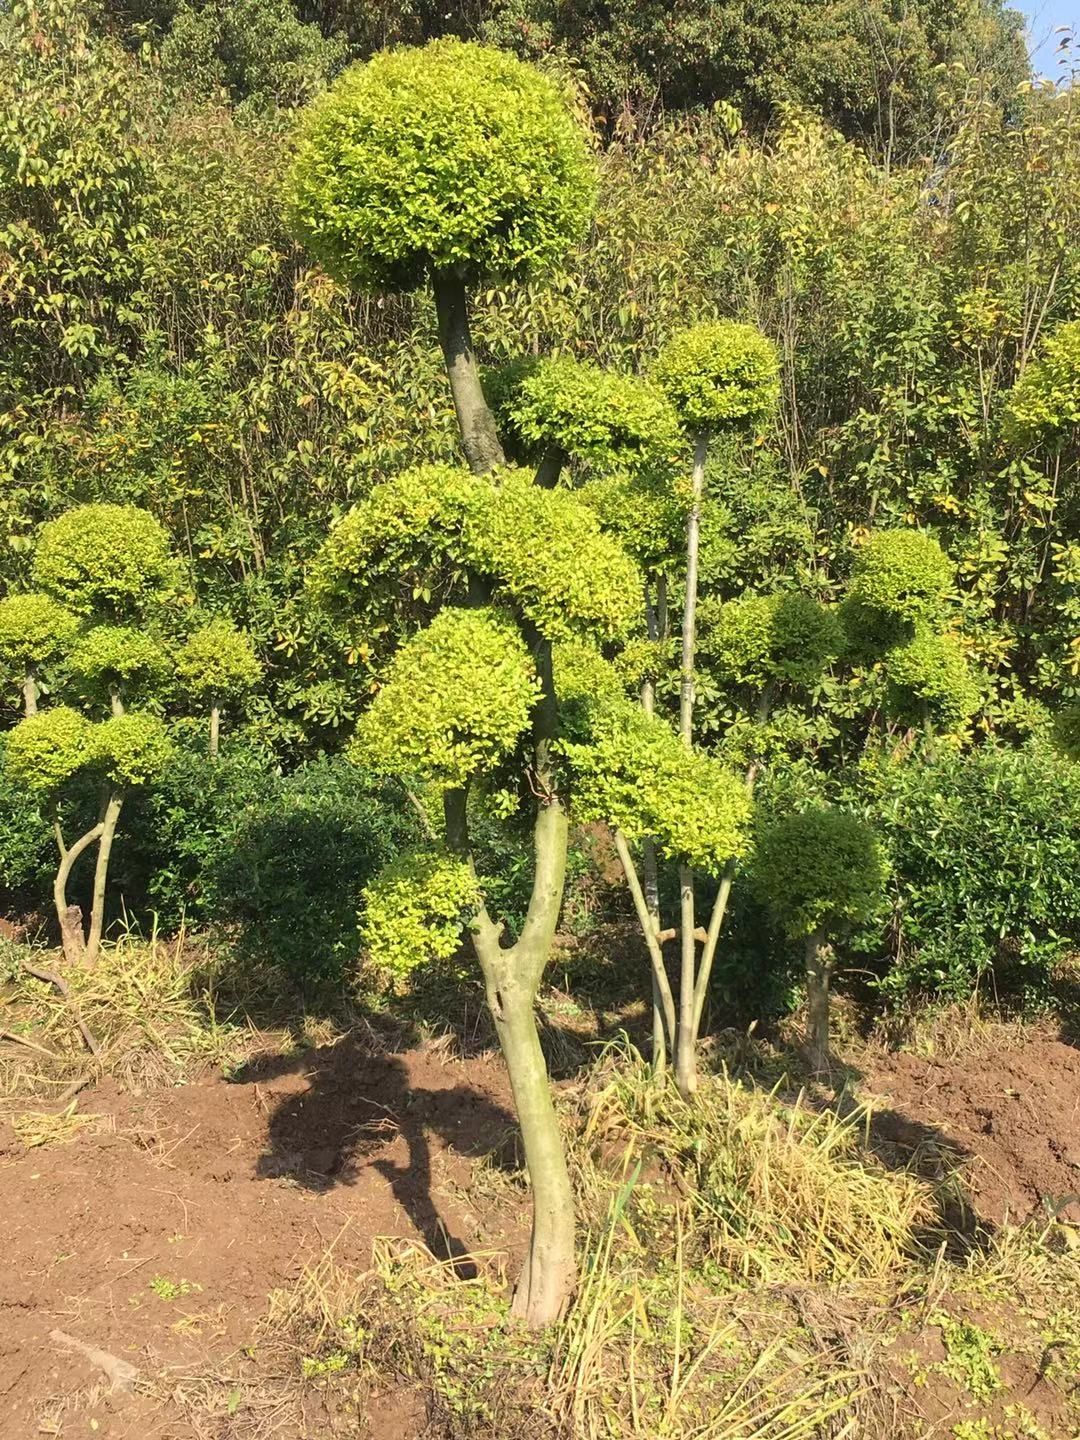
[1043,16]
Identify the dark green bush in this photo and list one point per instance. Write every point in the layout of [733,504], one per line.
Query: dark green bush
[985,853]
[26,847]
[285,884]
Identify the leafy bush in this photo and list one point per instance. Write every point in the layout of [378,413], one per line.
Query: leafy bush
[26,845]
[985,855]
[286,882]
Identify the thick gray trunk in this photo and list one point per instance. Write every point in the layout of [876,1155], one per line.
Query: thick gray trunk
[479,437]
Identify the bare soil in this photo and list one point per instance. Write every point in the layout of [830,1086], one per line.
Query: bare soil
[1009,1118]
[158,1231]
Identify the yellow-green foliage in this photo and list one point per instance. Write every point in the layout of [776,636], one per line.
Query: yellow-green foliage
[110,558]
[721,375]
[1046,399]
[903,573]
[545,548]
[761,638]
[217,661]
[600,417]
[413,911]
[819,870]
[131,748]
[34,628]
[118,655]
[929,678]
[646,510]
[633,772]
[452,155]
[456,699]
[404,525]
[44,750]
[582,675]
[868,632]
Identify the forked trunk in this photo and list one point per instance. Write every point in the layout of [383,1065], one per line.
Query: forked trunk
[69,917]
[110,816]
[479,438]
[818,974]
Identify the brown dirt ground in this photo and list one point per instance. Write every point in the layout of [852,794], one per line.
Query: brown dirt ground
[1009,1117]
[217,1191]
[225,1189]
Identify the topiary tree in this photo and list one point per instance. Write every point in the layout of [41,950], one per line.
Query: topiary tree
[444,165]
[723,379]
[1044,404]
[45,751]
[107,569]
[217,662]
[35,630]
[819,873]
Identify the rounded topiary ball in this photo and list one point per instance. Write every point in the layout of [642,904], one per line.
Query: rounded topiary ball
[818,870]
[450,156]
[606,420]
[1045,401]
[46,749]
[929,677]
[132,748]
[721,375]
[904,573]
[120,655]
[216,661]
[110,558]
[34,628]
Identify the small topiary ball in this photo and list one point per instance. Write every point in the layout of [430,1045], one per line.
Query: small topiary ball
[404,526]
[413,912]
[605,420]
[450,156]
[1045,401]
[821,870]
[759,639]
[904,573]
[44,750]
[218,661]
[117,655]
[721,375]
[457,698]
[645,510]
[132,749]
[34,628]
[929,678]
[547,552]
[109,558]
[630,770]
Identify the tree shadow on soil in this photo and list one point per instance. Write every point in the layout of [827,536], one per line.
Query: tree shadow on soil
[353,1106]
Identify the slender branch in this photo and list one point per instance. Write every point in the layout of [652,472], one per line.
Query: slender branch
[426,826]
[113,805]
[651,932]
[50,977]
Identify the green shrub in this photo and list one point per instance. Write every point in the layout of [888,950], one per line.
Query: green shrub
[720,375]
[818,870]
[985,856]
[26,844]
[285,884]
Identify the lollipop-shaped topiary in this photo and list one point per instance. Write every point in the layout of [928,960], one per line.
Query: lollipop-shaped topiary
[445,165]
[930,681]
[902,574]
[216,665]
[109,561]
[766,641]
[723,377]
[819,873]
[35,630]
